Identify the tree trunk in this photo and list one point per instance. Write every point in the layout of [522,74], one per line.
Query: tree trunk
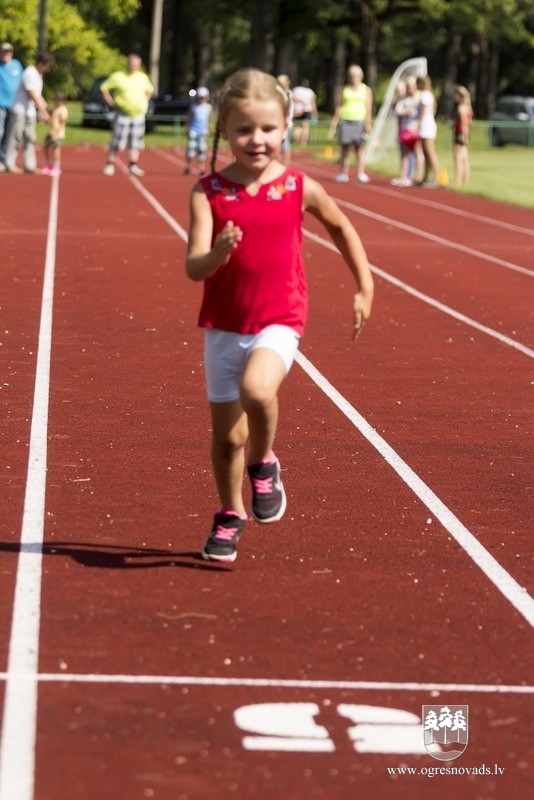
[182,35]
[285,60]
[450,73]
[474,71]
[261,35]
[336,75]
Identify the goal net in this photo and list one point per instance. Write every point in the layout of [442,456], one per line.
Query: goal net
[383,136]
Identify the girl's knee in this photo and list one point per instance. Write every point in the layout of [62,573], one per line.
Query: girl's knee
[227,447]
[258,393]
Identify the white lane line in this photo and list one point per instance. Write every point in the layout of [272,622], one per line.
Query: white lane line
[406,196]
[17,744]
[185,680]
[501,579]
[159,209]
[430,301]
[410,197]
[517,595]
[385,275]
[437,239]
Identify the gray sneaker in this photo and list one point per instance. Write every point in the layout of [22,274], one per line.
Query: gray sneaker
[268,496]
[221,544]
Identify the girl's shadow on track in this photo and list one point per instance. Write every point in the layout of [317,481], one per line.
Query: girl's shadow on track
[115,557]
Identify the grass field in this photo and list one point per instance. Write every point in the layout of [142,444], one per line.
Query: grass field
[505,174]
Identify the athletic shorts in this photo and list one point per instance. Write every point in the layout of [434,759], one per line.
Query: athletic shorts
[49,142]
[128,132]
[351,132]
[197,144]
[226,354]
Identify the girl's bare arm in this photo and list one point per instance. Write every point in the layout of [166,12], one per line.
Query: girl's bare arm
[349,244]
[203,258]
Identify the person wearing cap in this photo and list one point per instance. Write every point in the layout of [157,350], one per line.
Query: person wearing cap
[198,128]
[128,93]
[10,74]
[22,124]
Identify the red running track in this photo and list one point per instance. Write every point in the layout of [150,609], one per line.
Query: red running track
[401,575]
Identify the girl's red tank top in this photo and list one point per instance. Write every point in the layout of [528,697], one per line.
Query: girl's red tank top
[264,281]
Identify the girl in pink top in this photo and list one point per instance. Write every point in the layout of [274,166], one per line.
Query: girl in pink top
[245,244]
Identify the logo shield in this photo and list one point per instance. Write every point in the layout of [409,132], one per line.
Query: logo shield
[445,731]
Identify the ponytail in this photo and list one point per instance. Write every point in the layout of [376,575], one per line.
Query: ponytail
[215,148]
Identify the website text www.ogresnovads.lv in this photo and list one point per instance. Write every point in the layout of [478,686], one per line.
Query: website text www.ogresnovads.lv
[432,772]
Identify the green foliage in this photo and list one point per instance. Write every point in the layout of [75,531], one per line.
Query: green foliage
[79,46]
[102,12]
[18,25]
[81,51]
[88,35]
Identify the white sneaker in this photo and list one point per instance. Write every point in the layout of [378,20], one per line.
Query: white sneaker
[363,178]
[137,171]
[109,169]
[402,182]
[341,178]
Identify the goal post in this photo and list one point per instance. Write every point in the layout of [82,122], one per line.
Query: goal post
[383,136]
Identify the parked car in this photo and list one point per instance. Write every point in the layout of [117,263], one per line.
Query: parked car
[169,110]
[512,122]
[97,114]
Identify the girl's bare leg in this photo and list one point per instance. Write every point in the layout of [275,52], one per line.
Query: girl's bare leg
[419,162]
[345,159]
[229,437]
[261,381]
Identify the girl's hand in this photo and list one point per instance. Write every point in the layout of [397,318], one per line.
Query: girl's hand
[361,310]
[227,239]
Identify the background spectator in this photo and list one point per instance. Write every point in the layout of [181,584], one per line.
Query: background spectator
[128,92]
[463,116]
[198,127]
[304,111]
[407,111]
[428,130]
[56,136]
[10,74]
[353,116]
[22,121]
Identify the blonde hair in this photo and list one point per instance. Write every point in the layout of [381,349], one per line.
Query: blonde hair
[464,93]
[284,81]
[423,82]
[355,72]
[243,85]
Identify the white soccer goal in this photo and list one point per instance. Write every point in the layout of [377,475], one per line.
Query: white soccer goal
[384,134]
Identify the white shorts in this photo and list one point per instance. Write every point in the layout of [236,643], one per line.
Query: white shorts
[226,353]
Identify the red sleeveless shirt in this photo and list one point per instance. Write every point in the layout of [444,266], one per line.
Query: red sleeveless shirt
[264,282]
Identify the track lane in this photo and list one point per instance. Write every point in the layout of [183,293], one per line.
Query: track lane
[111,317]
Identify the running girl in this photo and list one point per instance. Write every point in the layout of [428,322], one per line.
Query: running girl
[245,244]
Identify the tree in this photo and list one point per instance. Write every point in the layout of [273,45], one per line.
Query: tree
[488,45]
[80,46]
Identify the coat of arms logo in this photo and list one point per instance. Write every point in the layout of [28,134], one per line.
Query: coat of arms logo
[445,731]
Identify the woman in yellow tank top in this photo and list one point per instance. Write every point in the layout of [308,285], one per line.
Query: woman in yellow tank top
[352,119]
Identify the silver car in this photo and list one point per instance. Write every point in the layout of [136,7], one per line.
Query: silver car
[512,122]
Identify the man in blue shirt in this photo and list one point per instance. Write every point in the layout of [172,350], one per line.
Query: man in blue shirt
[10,75]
